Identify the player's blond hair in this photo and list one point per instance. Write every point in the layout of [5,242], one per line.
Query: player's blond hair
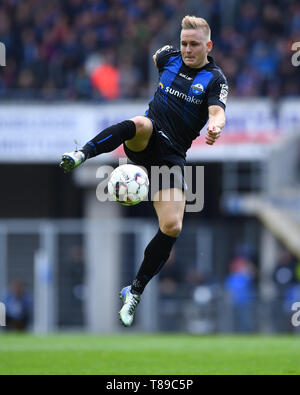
[195,23]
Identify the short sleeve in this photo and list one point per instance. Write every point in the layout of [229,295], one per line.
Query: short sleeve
[218,91]
[164,54]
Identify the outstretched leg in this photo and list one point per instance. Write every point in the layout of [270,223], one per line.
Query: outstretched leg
[135,132]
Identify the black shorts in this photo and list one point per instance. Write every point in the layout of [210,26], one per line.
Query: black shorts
[158,153]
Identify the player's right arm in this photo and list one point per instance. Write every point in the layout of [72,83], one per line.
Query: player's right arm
[154,59]
[162,56]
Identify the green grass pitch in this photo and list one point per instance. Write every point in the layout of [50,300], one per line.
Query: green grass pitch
[137,354]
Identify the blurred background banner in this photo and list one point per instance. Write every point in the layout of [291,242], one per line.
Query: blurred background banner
[48,129]
[74,67]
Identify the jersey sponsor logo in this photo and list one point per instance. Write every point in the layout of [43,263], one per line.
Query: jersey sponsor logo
[198,89]
[224,93]
[181,95]
[186,77]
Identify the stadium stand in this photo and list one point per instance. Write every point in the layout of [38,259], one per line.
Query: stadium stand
[52,46]
[57,51]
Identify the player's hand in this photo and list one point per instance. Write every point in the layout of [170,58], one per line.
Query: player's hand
[212,135]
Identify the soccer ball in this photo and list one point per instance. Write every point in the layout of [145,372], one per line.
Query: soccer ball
[128,185]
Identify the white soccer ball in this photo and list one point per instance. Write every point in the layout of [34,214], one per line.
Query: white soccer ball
[128,185]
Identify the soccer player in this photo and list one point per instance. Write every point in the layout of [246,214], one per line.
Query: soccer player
[192,90]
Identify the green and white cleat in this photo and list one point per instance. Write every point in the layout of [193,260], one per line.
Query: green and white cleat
[71,160]
[131,302]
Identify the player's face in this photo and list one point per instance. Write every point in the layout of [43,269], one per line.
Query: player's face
[194,48]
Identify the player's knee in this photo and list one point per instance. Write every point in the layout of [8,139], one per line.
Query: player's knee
[172,227]
[142,126]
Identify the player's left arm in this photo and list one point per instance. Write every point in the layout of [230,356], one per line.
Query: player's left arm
[216,123]
[217,94]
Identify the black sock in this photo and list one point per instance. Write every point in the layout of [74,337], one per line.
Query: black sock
[156,255]
[110,139]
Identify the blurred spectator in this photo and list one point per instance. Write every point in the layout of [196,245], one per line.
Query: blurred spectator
[285,274]
[48,44]
[71,282]
[18,304]
[106,78]
[240,286]
[171,277]
[170,281]
[286,278]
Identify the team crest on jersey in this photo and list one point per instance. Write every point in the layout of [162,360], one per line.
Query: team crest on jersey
[198,89]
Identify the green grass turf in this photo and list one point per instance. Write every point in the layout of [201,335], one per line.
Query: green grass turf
[136,354]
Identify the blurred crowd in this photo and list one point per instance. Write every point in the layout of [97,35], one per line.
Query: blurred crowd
[256,51]
[53,45]
[59,49]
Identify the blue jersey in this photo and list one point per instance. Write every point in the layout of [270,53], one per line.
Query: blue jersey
[180,105]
